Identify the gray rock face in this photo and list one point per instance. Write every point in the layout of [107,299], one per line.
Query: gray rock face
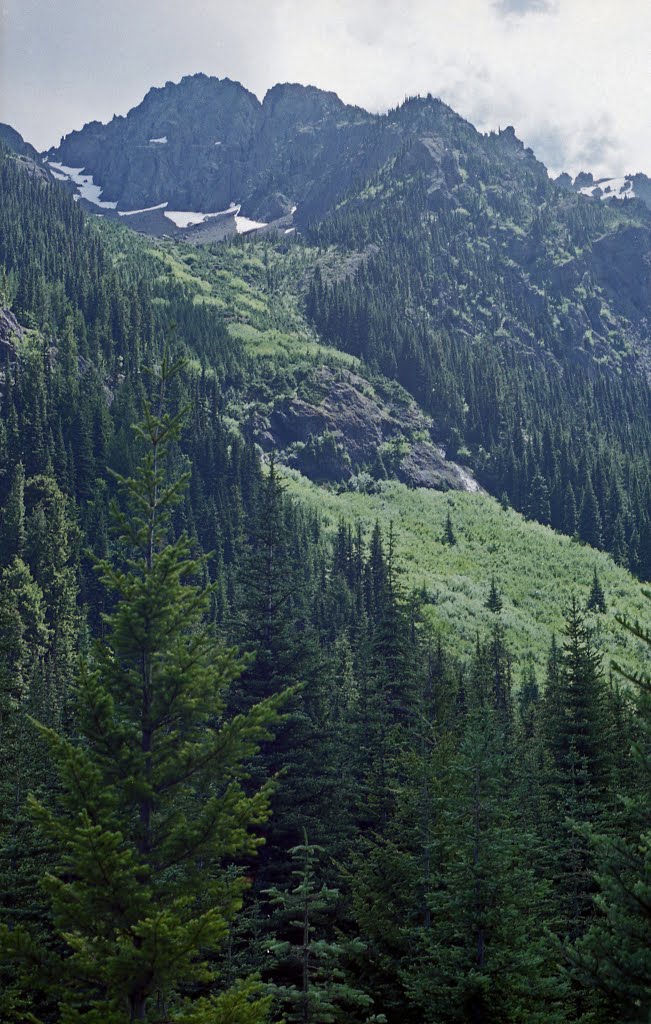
[205,143]
[16,142]
[339,423]
[10,329]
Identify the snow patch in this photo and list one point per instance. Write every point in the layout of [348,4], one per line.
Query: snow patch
[245,224]
[610,188]
[87,188]
[218,143]
[184,218]
[290,231]
[59,177]
[189,218]
[161,141]
[148,209]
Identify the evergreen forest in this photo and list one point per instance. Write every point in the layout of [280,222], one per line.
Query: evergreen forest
[325,605]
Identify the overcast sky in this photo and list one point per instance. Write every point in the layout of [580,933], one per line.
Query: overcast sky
[572,76]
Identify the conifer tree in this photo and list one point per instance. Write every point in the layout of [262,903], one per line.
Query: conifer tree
[539,507]
[584,698]
[589,524]
[569,515]
[575,729]
[494,599]
[317,990]
[12,539]
[483,956]
[449,535]
[596,599]
[266,624]
[615,955]
[150,805]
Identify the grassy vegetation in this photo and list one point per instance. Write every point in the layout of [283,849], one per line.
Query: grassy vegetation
[256,284]
[536,569]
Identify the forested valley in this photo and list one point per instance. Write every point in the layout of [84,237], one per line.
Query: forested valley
[255,765]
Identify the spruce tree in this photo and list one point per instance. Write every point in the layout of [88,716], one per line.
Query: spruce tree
[575,730]
[569,514]
[539,507]
[449,535]
[482,954]
[615,955]
[150,805]
[316,989]
[596,599]
[589,523]
[494,599]
[12,538]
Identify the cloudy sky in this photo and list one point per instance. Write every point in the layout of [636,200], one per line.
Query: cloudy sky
[572,76]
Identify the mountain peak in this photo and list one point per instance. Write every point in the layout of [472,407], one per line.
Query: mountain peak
[303,104]
[16,142]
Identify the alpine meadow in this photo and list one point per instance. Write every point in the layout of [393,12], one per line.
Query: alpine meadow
[325,571]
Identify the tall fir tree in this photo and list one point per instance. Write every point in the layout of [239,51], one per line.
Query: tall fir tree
[150,805]
[615,955]
[596,598]
[311,959]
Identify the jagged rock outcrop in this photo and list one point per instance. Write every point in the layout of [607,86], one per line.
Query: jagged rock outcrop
[10,330]
[14,140]
[339,424]
[205,143]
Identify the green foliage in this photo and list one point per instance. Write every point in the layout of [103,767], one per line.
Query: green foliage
[474,828]
[538,569]
[317,990]
[596,600]
[615,955]
[151,802]
[449,535]
[494,599]
[457,292]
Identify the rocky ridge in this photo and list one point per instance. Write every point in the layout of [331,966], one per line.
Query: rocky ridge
[339,424]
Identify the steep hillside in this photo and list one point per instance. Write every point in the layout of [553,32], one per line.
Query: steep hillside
[517,314]
[317,408]
[14,140]
[206,143]
[408,792]
[514,312]
[538,570]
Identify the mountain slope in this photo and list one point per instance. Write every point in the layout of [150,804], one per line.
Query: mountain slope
[538,570]
[257,370]
[514,311]
[458,787]
[205,143]
[14,140]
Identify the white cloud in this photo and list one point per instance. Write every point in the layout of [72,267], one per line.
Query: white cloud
[572,76]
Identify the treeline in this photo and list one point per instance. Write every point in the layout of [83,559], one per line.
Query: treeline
[518,359]
[439,829]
